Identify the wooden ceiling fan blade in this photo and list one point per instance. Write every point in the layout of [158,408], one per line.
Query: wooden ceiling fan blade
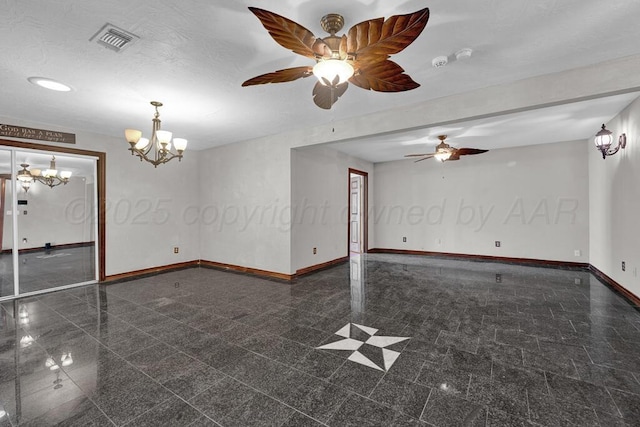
[361,35]
[289,34]
[386,37]
[280,76]
[430,156]
[383,76]
[468,151]
[324,96]
[457,152]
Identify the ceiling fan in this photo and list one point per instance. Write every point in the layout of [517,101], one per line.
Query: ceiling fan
[445,152]
[359,57]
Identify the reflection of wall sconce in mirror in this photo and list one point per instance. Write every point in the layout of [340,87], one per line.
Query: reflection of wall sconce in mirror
[24,177]
[23,315]
[3,412]
[604,139]
[49,177]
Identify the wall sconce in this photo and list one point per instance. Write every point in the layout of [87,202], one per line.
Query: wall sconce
[604,139]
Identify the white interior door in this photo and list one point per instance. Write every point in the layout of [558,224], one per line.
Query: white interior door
[356,235]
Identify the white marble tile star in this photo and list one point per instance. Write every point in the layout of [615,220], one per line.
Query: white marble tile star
[373,344]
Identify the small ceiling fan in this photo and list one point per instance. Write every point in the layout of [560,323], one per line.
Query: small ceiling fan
[445,152]
[359,57]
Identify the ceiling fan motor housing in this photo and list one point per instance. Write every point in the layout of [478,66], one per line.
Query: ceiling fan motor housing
[332,23]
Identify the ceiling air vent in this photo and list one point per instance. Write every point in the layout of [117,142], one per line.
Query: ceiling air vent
[114,38]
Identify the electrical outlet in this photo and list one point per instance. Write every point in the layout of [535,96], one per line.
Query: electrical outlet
[497,243]
[404,240]
[176,250]
[315,251]
[624,266]
[577,281]
[498,278]
[577,252]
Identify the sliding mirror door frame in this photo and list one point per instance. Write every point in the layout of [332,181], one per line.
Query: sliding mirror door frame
[100,159]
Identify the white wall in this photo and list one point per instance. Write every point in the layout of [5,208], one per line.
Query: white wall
[533,199]
[47,216]
[245,198]
[319,193]
[614,191]
[145,205]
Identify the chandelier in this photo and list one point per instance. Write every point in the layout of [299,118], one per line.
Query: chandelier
[157,150]
[49,177]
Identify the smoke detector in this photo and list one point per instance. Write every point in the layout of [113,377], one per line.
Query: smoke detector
[114,38]
[463,54]
[439,61]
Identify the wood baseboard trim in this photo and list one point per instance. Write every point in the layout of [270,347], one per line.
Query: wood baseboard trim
[488,258]
[321,266]
[246,270]
[633,298]
[41,248]
[138,274]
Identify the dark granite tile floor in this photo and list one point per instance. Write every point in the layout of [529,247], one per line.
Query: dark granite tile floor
[202,347]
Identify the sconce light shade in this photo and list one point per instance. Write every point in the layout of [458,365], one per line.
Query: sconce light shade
[603,139]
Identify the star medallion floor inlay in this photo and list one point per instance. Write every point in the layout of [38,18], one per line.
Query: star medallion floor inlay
[368,348]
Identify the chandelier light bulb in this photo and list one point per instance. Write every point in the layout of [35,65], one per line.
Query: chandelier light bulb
[164,136]
[142,143]
[132,135]
[180,144]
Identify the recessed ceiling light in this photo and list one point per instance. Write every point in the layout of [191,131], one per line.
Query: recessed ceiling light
[49,84]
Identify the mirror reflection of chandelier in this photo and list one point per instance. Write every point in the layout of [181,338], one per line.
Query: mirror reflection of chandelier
[156,150]
[49,177]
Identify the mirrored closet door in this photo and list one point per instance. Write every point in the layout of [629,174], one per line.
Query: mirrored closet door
[49,231]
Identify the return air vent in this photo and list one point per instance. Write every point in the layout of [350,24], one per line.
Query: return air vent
[114,38]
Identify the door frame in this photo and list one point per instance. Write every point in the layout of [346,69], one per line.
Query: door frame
[364,224]
[102,189]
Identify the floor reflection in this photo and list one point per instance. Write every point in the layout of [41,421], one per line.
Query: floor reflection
[47,269]
[358,279]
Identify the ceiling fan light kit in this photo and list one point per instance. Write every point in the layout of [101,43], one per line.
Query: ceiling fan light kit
[360,57]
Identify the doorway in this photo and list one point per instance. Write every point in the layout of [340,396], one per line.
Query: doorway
[357,231]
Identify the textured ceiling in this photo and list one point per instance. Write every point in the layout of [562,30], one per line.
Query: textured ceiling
[194,55]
